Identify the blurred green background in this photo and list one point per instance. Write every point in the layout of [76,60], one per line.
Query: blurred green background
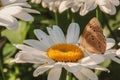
[13,71]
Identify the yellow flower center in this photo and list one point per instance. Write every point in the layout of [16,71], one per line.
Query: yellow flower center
[0,3]
[65,53]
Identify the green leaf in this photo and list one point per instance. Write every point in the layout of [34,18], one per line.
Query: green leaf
[17,36]
[8,50]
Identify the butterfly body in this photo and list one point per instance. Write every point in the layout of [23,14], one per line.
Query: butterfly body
[92,38]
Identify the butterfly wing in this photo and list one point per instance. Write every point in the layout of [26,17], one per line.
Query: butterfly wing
[92,38]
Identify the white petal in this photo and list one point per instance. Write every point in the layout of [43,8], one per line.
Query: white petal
[91,4]
[44,4]
[27,48]
[59,34]
[72,67]
[25,4]
[12,10]
[88,6]
[80,76]
[16,1]
[115,2]
[36,44]
[73,33]
[92,60]
[109,53]
[54,74]
[110,43]
[54,35]
[44,38]
[8,21]
[5,2]
[52,7]
[118,52]
[31,10]
[59,64]
[89,73]
[40,70]
[109,8]
[117,60]
[75,8]
[51,34]
[65,5]
[101,2]
[98,68]
[29,57]
[83,10]
[24,16]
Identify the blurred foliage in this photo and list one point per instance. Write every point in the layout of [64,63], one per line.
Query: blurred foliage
[12,71]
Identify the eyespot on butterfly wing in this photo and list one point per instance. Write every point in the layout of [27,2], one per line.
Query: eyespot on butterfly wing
[92,38]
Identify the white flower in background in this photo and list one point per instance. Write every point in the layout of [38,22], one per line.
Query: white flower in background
[53,5]
[12,9]
[107,6]
[56,51]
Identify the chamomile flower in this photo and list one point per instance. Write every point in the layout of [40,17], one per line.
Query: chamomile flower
[56,51]
[12,9]
[85,6]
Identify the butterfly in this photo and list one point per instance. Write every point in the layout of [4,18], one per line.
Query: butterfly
[92,38]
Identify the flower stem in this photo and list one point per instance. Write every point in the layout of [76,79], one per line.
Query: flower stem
[56,18]
[69,17]
[73,20]
[98,14]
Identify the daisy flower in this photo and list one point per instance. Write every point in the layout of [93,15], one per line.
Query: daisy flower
[107,6]
[12,9]
[56,51]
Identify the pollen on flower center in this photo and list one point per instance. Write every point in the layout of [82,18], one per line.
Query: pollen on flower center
[65,53]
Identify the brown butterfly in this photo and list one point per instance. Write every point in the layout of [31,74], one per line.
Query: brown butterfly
[92,39]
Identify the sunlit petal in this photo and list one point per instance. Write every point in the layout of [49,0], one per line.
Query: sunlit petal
[36,44]
[54,74]
[73,33]
[89,73]
[110,43]
[80,76]
[72,67]
[92,60]
[41,69]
